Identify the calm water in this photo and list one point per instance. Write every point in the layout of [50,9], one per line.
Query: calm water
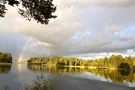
[22,75]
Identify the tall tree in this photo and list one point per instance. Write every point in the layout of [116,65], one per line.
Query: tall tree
[39,10]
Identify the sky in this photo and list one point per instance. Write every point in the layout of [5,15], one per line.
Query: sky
[84,29]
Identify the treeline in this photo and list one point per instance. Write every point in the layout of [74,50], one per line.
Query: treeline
[112,61]
[106,62]
[5,58]
[57,60]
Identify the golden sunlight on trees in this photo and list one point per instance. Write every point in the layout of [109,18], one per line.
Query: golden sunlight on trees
[108,62]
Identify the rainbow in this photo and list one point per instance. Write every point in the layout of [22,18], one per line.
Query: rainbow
[23,49]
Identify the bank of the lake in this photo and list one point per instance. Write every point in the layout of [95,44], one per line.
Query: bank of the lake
[112,62]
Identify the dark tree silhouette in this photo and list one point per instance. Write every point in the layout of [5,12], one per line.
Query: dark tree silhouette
[39,10]
[124,66]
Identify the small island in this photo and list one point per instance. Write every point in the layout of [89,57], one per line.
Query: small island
[5,58]
[5,63]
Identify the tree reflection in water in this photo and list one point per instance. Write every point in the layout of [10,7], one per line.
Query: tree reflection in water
[5,68]
[116,76]
[56,70]
[124,72]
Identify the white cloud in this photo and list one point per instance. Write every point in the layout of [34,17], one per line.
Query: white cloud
[113,29]
[125,38]
[84,3]
[81,27]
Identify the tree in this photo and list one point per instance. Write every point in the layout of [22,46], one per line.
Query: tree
[5,57]
[124,66]
[39,10]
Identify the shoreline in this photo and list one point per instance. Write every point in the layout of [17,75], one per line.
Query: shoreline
[89,67]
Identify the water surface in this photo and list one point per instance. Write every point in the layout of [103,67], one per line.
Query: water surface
[19,76]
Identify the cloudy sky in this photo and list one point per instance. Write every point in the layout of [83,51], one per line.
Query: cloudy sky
[83,28]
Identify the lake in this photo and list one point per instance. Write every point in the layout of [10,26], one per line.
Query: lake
[20,76]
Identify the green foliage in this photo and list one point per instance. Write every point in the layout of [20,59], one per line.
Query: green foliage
[124,66]
[5,58]
[58,61]
[108,62]
[39,10]
[112,62]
